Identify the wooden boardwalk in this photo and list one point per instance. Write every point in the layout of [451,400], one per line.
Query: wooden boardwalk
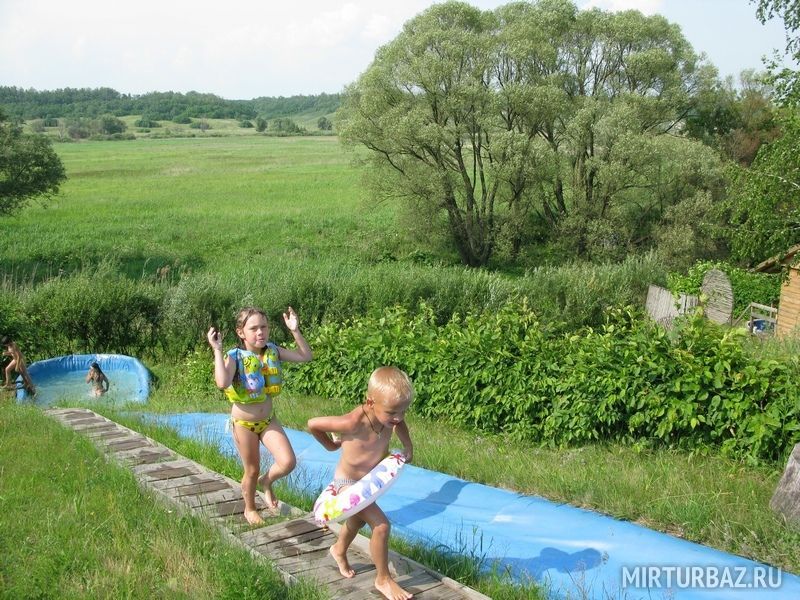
[290,539]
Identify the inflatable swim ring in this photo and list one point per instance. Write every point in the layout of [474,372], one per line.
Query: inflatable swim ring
[332,507]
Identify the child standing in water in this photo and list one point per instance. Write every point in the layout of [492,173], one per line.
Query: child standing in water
[364,434]
[251,377]
[98,379]
[16,365]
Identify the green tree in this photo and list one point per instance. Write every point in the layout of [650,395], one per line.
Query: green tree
[764,200]
[284,125]
[786,81]
[324,124]
[29,168]
[109,124]
[734,120]
[534,113]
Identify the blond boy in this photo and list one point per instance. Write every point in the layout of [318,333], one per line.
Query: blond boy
[364,435]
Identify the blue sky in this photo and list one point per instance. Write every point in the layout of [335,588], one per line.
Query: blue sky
[243,49]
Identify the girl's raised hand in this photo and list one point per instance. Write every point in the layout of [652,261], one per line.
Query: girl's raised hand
[291,320]
[214,339]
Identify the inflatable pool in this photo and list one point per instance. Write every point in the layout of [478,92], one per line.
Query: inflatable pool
[64,378]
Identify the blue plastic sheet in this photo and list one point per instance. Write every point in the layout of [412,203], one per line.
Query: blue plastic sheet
[64,376]
[575,552]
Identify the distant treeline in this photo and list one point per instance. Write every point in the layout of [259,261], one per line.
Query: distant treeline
[19,103]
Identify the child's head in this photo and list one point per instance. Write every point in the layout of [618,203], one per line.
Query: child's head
[389,393]
[6,341]
[252,327]
[94,366]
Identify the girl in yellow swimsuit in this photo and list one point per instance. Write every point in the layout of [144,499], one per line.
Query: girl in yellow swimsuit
[251,377]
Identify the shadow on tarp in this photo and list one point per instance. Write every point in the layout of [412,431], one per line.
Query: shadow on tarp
[574,552]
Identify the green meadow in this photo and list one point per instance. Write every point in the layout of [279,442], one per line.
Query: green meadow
[197,205]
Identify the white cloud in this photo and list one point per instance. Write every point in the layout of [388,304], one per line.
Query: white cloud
[379,28]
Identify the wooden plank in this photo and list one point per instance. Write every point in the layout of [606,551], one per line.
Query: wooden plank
[92,427]
[195,478]
[356,588]
[181,462]
[270,543]
[171,472]
[106,435]
[217,497]
[299,562]
[140,456]
[203,487]
[227,509]
[420,582]
[82,423]
[323,571]
[310,542]
[280,531]
[128,444]
[69,413]
[763,307]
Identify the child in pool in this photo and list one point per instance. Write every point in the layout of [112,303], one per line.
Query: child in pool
[364,435]
[16,365]
[251,377]
[98,379]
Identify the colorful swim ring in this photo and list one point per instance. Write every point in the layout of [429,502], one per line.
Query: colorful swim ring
[332,506]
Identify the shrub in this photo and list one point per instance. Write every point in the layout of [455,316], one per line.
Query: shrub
[146,122]
[94,312]
[627,380]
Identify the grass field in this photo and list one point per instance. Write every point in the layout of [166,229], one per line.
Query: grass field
[197,204]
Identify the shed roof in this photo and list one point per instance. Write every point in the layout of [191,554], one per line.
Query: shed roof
[774,264]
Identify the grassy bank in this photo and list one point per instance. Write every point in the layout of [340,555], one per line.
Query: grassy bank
[74,526]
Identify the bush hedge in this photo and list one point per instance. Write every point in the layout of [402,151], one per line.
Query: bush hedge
[544,358]
[99,309]
[627,380]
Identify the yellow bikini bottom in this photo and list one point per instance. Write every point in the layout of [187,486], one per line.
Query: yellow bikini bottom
[257,427]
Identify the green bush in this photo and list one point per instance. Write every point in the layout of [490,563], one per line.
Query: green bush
[627,380]
[192,306]
[12,316]
[146,122]
[93,312]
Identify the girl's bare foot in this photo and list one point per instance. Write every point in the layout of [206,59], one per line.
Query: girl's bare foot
[391,590]
[253,517]
[269,495]
[341,560]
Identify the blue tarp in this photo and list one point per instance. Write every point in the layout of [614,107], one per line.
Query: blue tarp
[577,553]
[75,366]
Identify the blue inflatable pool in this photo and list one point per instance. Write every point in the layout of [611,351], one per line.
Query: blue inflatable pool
[64,378]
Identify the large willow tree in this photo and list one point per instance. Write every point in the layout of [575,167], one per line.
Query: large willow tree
[533,113]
